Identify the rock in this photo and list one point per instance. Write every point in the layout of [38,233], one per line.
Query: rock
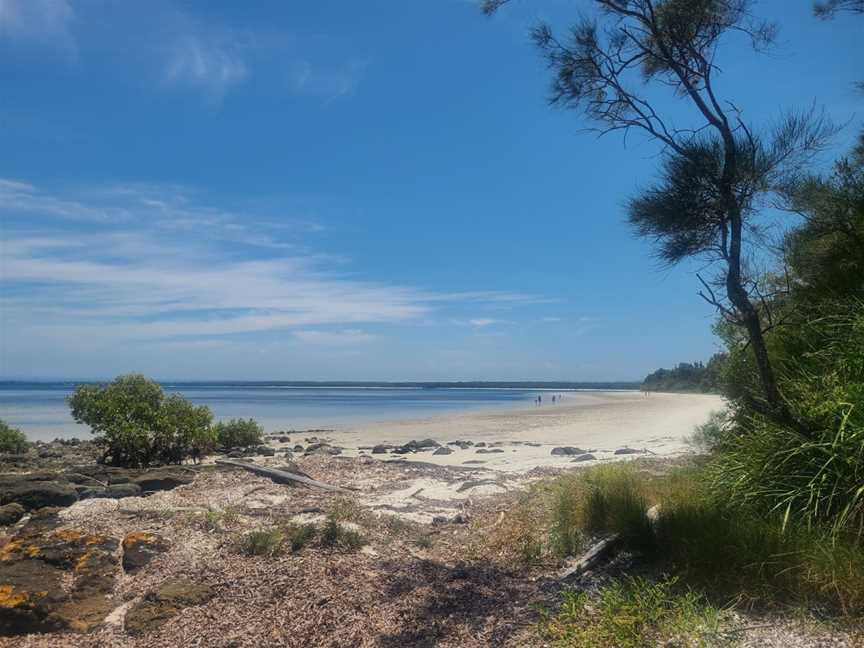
[443,451]
[474,483]
[567,451]
[585,457]
[628,451]
[10,514]
[54,579]
[235,454]
[163,479]
[266,451]
[158,607]
[481,444]
[419,445]
[488,450]
[114,491]
[439,520]
[474,461]
[298,448]
[381,449]
[36,494]
[322,449]
[139,548]
[461,444]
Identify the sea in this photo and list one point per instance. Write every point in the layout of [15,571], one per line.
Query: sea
[39,409]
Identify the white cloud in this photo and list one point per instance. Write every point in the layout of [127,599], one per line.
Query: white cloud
[212,62]
[482,321]
[329,82]
[347,337]
[46,23]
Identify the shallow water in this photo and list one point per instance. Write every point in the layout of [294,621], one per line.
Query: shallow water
[40,410]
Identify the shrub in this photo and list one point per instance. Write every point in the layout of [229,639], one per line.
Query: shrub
[136,425]
[262,542]
[12,440]
[338,536]
[299,535]
[239,433]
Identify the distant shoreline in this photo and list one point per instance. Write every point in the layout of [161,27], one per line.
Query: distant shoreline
[473,384]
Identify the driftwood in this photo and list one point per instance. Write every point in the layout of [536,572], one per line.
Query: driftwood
[281,476]
[591,557]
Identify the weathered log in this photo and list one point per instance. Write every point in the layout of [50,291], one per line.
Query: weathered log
[281,476]
[591,557]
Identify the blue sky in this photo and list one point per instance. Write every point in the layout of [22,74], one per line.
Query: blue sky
[341,190]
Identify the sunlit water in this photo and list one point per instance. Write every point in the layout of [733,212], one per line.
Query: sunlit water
[40,410]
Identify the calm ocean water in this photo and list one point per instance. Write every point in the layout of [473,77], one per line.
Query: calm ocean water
[40,411]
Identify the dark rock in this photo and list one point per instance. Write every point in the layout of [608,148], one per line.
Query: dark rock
[322,449]
[163,479]
[54,579]
[266,451]
[567,451]
[481,444]
[166,602]
[628,451]
[10,514]
[235,454]
[461,444]
[381,449]
[443,451]
[36,494]
[419,445]
[460,518]
[585,457]
[438,520]
[116,491]
[298,448]
[474,461]
[139,548]
[488,450]
[48,453]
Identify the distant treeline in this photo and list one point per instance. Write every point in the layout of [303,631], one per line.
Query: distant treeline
[687,377]
[477,384]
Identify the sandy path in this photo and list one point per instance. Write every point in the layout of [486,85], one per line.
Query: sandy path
[600,422]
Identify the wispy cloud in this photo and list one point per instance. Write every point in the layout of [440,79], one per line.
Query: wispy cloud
[169,48]
[46,23]
[134,264]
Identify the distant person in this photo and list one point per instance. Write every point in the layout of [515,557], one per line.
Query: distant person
[553,399]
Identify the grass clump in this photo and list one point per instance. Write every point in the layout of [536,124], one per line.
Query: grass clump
[633,613]
[733,553]
[299,535]
[12,440]
[262,542]
[336,535]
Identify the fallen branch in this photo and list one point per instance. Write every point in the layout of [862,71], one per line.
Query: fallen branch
[281,476]
[591,557]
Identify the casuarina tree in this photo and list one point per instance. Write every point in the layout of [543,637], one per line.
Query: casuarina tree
[718,172]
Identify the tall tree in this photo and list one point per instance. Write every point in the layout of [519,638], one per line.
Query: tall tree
[714,173]
[829,8]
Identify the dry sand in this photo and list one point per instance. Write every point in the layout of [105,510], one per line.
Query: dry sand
[599,422]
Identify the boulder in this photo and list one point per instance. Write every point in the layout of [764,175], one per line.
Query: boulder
[139,548]
[381,449]
[481,444]
[443,451]
[266,451]
[10,514]
[163,479]
[567,451]
[628,451]
[167,601]
[585,457]
[36,494]
[488,451]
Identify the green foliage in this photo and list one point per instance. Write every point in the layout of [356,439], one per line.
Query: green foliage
[686,377]
[335,535]
[299,535]
[729,551]
[633,613]
[138,426]
[239,433]
[262,542]
[12,440]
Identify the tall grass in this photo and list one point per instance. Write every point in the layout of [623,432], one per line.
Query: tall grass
[732,553]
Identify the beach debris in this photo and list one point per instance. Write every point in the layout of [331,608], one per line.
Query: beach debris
[567,451]
[169,600]
[590,558]
[281,476]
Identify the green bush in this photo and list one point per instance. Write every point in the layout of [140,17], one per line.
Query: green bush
[137,425]
[262,542]
[335,535]
[12,440]
[239,433]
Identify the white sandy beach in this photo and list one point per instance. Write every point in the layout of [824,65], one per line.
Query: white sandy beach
[598,422]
